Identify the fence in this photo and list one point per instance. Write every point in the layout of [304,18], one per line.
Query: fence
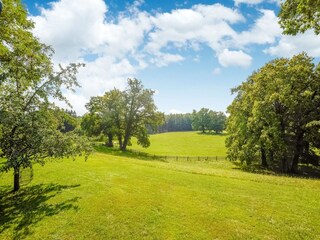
[180,158]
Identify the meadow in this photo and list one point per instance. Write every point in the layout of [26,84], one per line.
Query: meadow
[122,197]
[184,144]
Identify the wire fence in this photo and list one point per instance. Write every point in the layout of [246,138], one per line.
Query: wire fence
[180,158]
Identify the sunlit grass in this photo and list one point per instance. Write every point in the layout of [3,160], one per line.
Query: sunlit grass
[113,197]
[185,144]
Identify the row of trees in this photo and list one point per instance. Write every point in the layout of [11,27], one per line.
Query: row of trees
[202,120]
[32,128]
[275,117]
[176,123]
[123,115]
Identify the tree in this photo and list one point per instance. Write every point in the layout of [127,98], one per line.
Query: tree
[29,121]
[297,16]
[206,119]
[201,119]
[105,116]
[217,121]
[275,116]
[127,114]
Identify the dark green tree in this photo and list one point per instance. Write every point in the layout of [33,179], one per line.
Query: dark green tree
[201,120]
[275,115]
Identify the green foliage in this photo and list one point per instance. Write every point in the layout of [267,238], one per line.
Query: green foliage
[176,123]
[124,114]
[297,16]
[208,120]
[273,117]
[30,123]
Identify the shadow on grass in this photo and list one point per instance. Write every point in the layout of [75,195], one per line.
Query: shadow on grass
[212,134]
[304,171]
[129,153]
[20,211]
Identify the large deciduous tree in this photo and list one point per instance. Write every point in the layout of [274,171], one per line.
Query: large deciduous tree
[297,16]
[126,114]
[30,123]
[275,117]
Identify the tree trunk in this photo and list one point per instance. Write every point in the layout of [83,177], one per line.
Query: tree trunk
[120,141]
[125,142]
[263,158]
[110,140]
[16,179]
[297,153]
[284,165]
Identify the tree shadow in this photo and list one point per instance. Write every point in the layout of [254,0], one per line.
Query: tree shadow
[304,171]
[129,153]
[212,133]
[20,211]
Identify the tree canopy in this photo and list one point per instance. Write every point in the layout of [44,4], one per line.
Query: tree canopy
[123,114]
[275,117]
[297,16]
[30,124]
[208,120]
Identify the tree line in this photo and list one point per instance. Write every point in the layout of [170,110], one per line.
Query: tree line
[204,120]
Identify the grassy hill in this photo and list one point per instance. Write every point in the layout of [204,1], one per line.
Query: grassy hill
[185,144]
[112,197]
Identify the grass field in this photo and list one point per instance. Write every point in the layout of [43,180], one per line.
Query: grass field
[185,144]
[114,197]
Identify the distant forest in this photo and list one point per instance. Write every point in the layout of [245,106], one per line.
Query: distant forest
[176,123]
[203,120]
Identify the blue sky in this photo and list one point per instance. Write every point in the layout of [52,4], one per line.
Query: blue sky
[190,52]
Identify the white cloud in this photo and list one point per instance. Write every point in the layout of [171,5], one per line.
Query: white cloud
[125,36]
[264,30]
[208,24]
[164,59]
[71,26]
[234,58]
[291,45]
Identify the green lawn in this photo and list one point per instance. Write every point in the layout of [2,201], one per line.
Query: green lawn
[185,144]
[112,197]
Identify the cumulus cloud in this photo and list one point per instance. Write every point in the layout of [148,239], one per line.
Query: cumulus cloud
[234,58]
[208,24]
[264,30]
[71,26]
[164,59]
[288,46]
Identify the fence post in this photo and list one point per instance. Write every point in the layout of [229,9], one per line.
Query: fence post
[216,158]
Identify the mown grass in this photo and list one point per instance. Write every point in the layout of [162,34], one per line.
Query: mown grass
[184,144]
[114,197]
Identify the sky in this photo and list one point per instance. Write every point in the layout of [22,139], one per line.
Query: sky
[191,53]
